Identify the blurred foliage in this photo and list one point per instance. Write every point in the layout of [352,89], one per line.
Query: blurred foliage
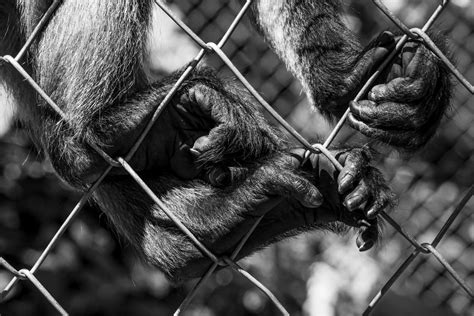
[91,272]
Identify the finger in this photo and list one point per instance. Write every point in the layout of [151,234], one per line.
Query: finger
[409,140]
[308,195]
[297,187]
[349,176]
[394,72]
[358,197]
[387,115]
[386,39]
[400,90]
[367,236]
[374,56]
[200,145]
[380,203]
[367,64]
[296,157]
[410,69]
[382,198]
[409,54]
[415,57]
[201,95]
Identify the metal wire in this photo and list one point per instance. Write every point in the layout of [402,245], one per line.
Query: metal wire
[424,248]
[29,275]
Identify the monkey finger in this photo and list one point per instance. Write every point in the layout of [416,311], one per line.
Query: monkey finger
[200,145]
[394,72]
[367,236]
[409,55]
[294,186]
[409,140]
[388,115]
[366,66]
[373,57]
[354,163]
[357,197]
[383,201]
[418,60]
[404,90]
[296,157]
[201,95]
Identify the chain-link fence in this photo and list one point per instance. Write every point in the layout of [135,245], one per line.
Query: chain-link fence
[433,201]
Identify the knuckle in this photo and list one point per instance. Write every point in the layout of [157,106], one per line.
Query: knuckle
[303,185]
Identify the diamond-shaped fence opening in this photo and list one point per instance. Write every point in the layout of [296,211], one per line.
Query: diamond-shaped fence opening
[435,202]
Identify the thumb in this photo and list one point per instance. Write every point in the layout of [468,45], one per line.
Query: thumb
[200,145]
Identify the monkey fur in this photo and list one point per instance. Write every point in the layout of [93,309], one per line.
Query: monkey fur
[406,105]
[211,157]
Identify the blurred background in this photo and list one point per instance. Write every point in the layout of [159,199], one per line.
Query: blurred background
[91,272]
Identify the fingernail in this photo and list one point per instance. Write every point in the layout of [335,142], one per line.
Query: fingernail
[363,222]
[378,92]
[194,152]
[355,202]
[386,38]
[315,200]
[371,96]
[343,183]
[345,203]
[366,245]
[201,143]
[350,204]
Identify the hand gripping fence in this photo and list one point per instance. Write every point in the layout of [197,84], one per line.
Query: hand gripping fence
[207,48]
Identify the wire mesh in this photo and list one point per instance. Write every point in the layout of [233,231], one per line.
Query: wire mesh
[214,49]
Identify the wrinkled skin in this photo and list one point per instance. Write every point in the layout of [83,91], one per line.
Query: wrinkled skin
[407,104]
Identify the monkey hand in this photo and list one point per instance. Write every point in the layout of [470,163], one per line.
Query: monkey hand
[287,198]
[208,122]
[295,196]
[355,195]
[407,103]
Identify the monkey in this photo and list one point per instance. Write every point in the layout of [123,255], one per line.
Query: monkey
[211,158]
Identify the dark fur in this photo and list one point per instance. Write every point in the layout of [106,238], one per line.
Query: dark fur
[95,76]
[94,71]
[325,55]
